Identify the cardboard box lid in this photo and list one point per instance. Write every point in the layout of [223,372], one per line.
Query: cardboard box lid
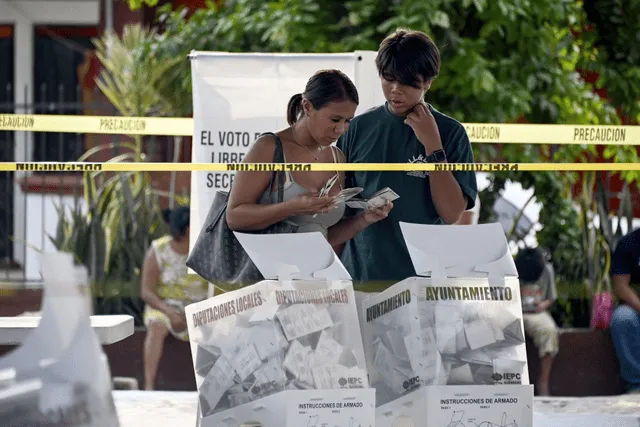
[457,251]
[293,256]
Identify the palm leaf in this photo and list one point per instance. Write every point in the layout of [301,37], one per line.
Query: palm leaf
[110,146]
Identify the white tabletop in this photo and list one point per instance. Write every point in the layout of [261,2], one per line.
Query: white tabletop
[109,328]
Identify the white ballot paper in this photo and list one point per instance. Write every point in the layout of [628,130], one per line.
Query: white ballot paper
[377,200]
[263,339]
[344,195]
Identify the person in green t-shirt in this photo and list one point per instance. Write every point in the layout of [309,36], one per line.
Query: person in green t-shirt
[404,129]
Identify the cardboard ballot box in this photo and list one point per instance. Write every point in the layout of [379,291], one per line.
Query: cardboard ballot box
[302,408]
[59,376]
[459,326]
[462,406]
[285,348]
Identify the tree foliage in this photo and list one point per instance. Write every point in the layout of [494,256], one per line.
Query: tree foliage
[137,4]
[502,61]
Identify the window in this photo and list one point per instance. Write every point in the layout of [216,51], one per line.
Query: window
[6,143]
[59,53]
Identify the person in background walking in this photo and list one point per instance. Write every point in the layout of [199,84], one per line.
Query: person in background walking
[625,323]
[167,289]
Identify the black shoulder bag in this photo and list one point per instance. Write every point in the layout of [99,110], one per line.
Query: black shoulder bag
[217,255]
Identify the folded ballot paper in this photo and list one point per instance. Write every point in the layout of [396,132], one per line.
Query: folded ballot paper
[67,386]
[252,346]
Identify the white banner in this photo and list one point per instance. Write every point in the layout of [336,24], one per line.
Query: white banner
[237,96]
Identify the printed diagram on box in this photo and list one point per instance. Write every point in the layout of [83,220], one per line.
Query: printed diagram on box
[456,421]
[313,422]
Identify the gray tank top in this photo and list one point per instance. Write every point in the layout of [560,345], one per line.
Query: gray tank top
[306,223]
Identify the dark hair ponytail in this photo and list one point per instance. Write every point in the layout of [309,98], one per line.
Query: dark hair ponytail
[294,108]
[324,87]
[178,221]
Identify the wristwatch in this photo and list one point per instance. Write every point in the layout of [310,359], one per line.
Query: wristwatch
[437,156]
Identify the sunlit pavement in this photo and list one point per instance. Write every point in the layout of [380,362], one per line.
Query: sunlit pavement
[178,409]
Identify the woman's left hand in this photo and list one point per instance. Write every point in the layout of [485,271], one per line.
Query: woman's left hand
[373,215]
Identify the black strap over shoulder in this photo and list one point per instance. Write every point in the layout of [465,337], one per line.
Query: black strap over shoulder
[278,157]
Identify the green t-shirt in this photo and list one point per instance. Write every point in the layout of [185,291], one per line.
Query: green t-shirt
[378,257]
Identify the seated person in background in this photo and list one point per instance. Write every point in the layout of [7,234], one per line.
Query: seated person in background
[470,216]
[167,289]
[538,293]
[316,118]
[625,323]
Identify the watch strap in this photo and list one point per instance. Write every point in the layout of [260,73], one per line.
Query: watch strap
[437,156]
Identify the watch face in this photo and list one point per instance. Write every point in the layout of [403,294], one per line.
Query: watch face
[439,155]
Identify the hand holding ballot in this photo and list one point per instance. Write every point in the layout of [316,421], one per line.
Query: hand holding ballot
[374,214]
[310,204]
[378,200]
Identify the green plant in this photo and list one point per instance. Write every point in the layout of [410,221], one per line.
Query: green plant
[112,237]
[137,4]
[174,88]
[122,210]
[131,78]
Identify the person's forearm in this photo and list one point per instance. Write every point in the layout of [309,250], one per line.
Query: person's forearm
[346,229]
[628,296]
[154,301]
[447,196]
[258,216]
[546,304]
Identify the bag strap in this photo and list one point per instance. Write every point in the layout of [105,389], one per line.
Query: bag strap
[278,157]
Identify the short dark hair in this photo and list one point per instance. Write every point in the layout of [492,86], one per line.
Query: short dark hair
[530,263]
[323,87]
[409,57]
[178,220]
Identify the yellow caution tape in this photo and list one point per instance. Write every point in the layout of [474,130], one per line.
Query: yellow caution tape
[171,126]
[552,134]
[294,167]
[493,133]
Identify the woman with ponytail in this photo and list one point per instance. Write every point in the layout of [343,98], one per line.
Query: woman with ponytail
[167,289]
[317,118]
